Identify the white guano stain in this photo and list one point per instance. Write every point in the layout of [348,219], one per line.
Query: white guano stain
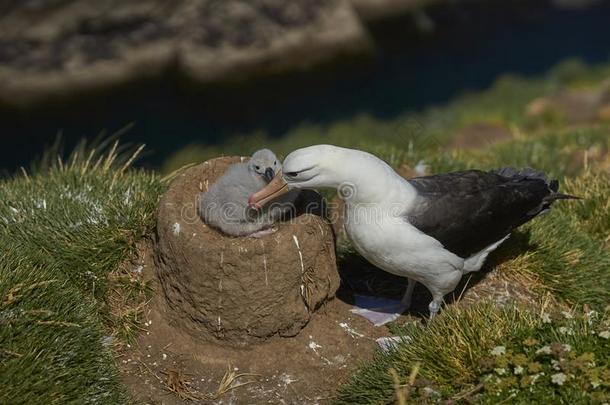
[314,346]
[296,242]
[286,379]
[350,331]
[176,229]
[265,266]
[302,288]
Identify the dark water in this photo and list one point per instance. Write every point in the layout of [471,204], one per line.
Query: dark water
[411,70]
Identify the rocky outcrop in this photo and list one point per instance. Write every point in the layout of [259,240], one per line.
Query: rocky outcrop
[51,48]
[56,47]
[240,290]
[573,106]
[380,9]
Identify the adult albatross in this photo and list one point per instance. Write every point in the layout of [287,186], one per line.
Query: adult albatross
[431,229]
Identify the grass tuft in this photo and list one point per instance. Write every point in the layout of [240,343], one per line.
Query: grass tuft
[63,230]
[488,354]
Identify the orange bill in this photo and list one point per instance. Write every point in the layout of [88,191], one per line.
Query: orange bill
[271,191]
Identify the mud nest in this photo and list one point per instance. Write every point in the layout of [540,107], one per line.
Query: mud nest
[240,290]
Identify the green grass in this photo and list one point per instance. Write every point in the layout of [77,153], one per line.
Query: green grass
[62,231]
[557,152]
[455,359]
[570,259]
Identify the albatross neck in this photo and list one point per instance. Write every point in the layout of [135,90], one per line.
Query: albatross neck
[373,181]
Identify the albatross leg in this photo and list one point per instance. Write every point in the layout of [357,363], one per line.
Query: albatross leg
[408,297]
[264,232]
[435,306]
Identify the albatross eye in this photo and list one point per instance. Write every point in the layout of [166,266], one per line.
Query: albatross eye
[292,174]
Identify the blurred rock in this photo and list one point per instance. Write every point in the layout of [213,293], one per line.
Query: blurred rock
[244,38]
[603,113]
[51,47]
[574,106]
[480,135]
[379,9]
[574,4]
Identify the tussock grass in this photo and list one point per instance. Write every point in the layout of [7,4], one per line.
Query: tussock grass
[52,345]
[84,215]
[573,264]
[487,354]
[127,299]
[558,153]
[63,229]
[592,214]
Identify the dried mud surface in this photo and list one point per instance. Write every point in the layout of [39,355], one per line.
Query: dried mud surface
[239,290]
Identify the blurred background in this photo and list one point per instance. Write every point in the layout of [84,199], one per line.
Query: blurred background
[198,78]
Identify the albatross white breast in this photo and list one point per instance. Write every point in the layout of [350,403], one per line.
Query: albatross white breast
[431,229]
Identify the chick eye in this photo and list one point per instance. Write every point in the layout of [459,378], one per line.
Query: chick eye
[274,163]
[257,167]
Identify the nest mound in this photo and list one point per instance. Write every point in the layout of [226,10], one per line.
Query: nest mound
[240,290]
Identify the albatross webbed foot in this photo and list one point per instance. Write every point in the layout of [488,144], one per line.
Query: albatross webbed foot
[380,315]
[434,307]
[264,232]
[380,310]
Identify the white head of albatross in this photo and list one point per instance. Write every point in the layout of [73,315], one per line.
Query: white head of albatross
[429,229]
[360,177]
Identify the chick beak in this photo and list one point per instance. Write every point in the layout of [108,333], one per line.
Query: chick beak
[269,174]
[274,189]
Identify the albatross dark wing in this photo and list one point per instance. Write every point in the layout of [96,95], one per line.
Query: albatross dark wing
[469,210]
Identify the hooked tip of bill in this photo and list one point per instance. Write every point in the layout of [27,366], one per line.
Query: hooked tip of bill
[252,204]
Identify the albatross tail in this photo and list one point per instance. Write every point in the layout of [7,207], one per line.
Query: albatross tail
[529,173]
[475,262]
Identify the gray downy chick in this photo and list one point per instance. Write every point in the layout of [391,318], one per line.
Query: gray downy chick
[225,205]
